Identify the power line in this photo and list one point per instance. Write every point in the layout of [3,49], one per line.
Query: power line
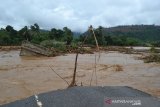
[59,75]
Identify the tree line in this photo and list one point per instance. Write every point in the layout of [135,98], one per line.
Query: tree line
[10,36]
[134,35]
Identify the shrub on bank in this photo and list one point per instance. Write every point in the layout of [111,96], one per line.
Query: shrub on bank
[60,46]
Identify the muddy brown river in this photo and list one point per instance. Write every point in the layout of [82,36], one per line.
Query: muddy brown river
[21,77]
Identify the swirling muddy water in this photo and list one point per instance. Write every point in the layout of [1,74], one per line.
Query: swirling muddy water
[21,77]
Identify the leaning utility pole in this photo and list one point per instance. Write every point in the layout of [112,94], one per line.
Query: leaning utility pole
[91,29]
[73,83]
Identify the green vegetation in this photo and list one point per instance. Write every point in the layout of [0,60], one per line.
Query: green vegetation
[9,36]
[135,35]
[54,44]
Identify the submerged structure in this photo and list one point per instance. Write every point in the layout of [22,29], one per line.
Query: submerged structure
[30,49]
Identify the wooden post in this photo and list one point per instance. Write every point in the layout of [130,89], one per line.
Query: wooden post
[91,28]
[73,83]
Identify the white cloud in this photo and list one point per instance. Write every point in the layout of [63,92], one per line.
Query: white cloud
[78,14]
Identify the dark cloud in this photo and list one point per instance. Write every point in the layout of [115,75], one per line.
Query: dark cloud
[78,14]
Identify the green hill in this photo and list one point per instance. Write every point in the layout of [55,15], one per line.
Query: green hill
[126,35]
[142,32]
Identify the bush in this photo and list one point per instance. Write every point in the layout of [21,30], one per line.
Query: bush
[74,45]
[60,46]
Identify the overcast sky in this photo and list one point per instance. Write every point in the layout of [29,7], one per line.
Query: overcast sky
[78,14]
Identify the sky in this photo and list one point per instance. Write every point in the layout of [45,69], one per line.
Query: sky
[78,14]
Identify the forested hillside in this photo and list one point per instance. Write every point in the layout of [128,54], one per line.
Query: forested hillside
[127,35]
[142,32]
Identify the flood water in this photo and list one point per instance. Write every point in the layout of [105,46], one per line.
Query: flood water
[21,77]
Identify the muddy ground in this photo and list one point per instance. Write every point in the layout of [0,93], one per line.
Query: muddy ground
[21,77]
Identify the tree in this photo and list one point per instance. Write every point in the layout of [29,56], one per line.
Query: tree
[34,30]
[13,35]
[60,34]
[35,27]
[68,35]
[108,40]
[100,36]
[132,41]
[56,34]
[4,37]
[35,33]
[9,28]
[24,33]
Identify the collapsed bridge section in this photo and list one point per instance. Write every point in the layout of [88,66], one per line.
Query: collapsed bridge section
[31,49]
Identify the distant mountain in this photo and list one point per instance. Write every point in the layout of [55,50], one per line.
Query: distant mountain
[43,30]
[141,32]
[76,34]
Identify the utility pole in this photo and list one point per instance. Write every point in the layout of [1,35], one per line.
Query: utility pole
[91,29]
